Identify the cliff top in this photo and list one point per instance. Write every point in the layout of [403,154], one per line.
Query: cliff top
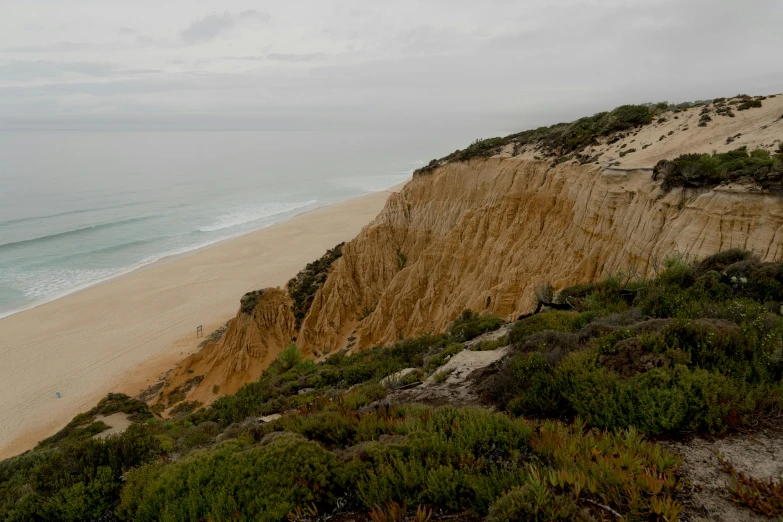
[639,136]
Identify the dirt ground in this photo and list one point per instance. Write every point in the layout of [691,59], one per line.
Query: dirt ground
[455,390]
[759,455]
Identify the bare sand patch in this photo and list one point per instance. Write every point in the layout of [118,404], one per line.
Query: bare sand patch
[117,423]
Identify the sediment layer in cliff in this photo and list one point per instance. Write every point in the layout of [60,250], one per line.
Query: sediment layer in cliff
[483,233]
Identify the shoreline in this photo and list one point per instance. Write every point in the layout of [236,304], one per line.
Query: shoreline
[121,334]
[166,258]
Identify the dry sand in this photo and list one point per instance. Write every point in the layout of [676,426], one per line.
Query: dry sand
[122,334]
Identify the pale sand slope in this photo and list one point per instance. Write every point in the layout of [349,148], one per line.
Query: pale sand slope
[119,335]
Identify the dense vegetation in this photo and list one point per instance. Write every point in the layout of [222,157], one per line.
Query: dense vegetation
[708,170]
[698,348]
[303,287]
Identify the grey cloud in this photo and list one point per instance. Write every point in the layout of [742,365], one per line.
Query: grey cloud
[208,28]
[293,57]
[211,26]
[492,69]
[253,14]
[21,71]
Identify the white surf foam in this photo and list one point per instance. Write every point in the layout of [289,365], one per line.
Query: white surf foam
[248,215]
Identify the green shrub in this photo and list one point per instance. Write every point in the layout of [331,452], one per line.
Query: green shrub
[364,395]
[249,301]
[481,148]
[538,388]
[261,483]
[442,357]
[534,502]
[330,428]
[470,325]
[448,457]
[662,400]
[749,104]
[73,479]
[708,170]
[290,356]
[553,320]
[303,287]
[720,261]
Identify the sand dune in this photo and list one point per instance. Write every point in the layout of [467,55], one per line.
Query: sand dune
[120,335]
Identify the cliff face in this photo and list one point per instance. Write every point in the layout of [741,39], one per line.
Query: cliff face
[483,233]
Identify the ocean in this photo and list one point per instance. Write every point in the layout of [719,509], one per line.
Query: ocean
[78,208]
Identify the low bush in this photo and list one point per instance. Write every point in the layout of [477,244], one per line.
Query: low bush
[470,325]
[72,480]
[480,148]
[553,320]
[290,357]
[534,501]
[749,104]
[439,359]
[709,170]
[249,301]
[261,483]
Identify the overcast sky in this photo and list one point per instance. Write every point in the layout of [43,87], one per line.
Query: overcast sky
[497,64]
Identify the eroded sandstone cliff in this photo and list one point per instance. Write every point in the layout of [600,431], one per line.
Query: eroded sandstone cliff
[483,233]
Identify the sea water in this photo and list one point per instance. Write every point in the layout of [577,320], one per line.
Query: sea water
[79,207]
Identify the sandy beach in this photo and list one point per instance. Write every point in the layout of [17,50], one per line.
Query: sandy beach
[123,334]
